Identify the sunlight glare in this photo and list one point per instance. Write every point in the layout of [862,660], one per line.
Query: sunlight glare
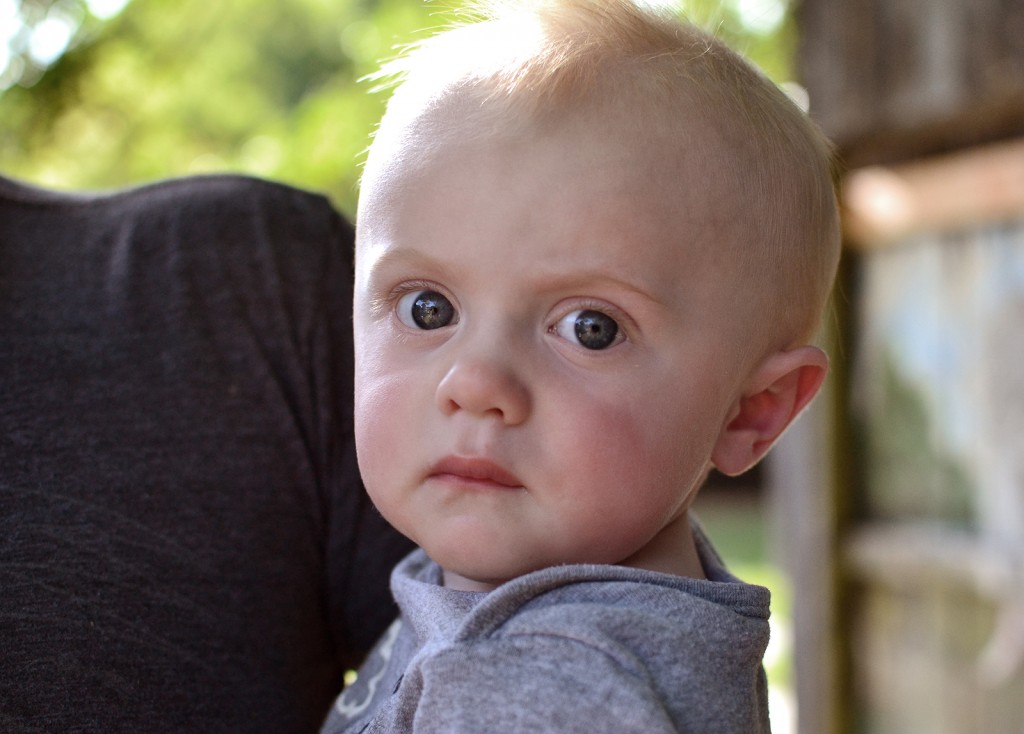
[105,9]
[10,23]
[662,4]
[761,16]
[5,60]
[50,38]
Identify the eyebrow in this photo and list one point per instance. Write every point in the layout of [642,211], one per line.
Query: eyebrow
[402,256]
[584,279]
[581,279]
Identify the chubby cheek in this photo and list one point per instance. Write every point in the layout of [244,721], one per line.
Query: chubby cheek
[627,459]
[382,399]
[382,418]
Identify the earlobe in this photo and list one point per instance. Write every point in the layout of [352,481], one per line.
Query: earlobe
[778,390]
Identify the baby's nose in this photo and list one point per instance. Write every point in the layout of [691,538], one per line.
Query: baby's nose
[484,388]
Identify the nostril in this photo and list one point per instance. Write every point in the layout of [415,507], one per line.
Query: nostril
[449,406]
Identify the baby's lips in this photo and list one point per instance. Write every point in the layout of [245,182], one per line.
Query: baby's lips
[475,468]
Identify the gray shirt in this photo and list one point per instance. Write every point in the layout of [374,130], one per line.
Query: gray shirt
[580,648]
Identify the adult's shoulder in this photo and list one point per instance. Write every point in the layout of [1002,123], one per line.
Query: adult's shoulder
[189,202]
[203,187]
[220,193]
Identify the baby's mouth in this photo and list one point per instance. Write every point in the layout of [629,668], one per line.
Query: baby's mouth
[474,470]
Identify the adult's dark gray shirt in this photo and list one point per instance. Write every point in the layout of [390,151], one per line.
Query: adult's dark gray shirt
[184,541]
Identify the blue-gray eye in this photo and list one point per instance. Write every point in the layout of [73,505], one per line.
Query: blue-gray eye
[590,329]
[425,310]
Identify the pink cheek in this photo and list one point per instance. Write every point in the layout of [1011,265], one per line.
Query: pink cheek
[610,440]
[380,415]
[633,451]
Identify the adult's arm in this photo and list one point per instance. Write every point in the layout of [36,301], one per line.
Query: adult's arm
[184,541]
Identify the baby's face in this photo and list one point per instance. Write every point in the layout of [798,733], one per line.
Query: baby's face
[546,351]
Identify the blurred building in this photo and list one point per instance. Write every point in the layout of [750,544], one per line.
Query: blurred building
[902,493]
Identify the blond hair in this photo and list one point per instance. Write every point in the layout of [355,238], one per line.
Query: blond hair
[527,61]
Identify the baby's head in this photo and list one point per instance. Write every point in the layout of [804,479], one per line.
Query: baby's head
[592,245]
[668,95]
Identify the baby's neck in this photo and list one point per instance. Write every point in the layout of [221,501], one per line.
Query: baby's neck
[461,583]
[672,550]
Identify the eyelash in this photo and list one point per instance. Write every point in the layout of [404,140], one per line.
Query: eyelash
[390,301]
[589,304]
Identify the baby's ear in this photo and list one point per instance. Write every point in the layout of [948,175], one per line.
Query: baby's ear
[776,392]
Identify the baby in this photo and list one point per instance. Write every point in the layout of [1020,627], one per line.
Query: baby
[593,245]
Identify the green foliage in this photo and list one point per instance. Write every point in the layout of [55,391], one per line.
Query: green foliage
[172,87]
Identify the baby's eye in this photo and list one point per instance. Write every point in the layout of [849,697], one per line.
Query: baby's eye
[591,329]
[425,310]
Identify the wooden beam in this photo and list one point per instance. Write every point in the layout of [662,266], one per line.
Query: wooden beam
[924,555]
[883,205]
[809,479]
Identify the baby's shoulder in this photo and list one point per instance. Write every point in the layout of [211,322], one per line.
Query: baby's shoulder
[621,611]
[664,653]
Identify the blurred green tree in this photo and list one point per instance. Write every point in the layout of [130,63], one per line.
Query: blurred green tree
[93,96]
